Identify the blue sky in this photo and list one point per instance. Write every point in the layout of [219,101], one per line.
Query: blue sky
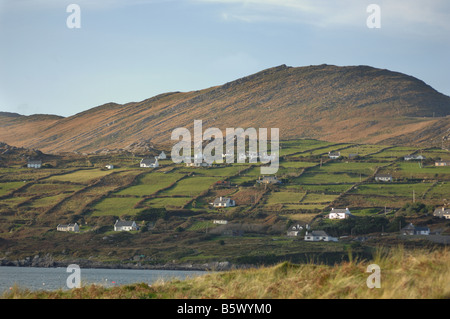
[130,50]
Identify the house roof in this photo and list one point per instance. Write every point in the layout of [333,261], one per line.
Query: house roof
[124,223]
[340,210]
[34,162]
[148,161]
[221,200]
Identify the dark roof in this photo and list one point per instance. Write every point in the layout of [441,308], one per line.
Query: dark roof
[221,200]
[34,162]
[148,161]
[317,233]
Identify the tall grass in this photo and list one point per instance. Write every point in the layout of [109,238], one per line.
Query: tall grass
[405,274]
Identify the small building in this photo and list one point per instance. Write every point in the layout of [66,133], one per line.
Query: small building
[339,213]
[319,235]
[198,164]
[69,227]
[383,178]
[109,166]
[442,212]
[414,157]
[442,163]
[34,164]
[410,229]
[149,162]
[220,221]
[223,202]
[269,180]
[294,231]
[334,155]
[124,225]
[162,155]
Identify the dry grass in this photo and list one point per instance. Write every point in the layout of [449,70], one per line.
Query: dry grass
[416,274]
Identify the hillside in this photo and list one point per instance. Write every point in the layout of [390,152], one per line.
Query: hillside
[338,104]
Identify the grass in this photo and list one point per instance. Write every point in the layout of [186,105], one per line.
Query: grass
[116,206]
[416,274]
[81,176]
[190,186]
[150,183]
[284,197]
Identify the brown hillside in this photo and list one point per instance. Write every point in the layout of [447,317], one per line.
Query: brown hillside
[339,104]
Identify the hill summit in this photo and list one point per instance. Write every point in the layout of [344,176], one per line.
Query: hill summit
[358,104]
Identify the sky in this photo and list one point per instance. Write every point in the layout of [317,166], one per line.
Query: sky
[59,61]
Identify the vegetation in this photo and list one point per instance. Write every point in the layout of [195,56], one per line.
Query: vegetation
[417,274]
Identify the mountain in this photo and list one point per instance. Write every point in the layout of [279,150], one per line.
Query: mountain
[338,104]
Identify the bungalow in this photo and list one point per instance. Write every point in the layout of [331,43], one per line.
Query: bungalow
[69,227]
[413,230]
[294,231]
[334,155]
[414,157]
[124,225]
[269,180]
[34,164]
[442,213]
[109,166]
[318,235]
[383,178]
[442,163]
[220,221]
[223,202]
[149,162]
[339,213]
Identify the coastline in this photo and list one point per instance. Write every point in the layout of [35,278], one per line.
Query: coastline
[48,262]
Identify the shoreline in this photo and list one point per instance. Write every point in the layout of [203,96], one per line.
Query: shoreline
[90,264]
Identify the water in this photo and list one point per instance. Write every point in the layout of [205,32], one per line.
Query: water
[34,278]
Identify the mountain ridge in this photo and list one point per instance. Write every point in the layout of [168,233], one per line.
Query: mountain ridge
[334,103]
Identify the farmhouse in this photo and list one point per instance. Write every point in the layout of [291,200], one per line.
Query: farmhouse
[413,230]
[414,157]
[339,213]
[223,202]
[269,180]
[334,155]
[442,213]
[124,225]
[442,163]
[294,231]
[149,162]
[383,178]
[109,166]
[69,227]
[318,235]
[34,164]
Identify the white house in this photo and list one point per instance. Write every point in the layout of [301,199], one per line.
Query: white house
[413,230]
[339,213]
[149,162]
[318,235]
[69,227]
[220,221]
[109,166]
[269,180]
[334,155]
[34,164]
[198,164]
[162,155]
[442,213]
[383,178]
[223,202]
[294,231]
[413,157]
[124,225]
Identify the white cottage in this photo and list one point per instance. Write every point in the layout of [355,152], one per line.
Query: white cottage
[224,202]
[339,213]
[149,162]
[69,227]
[124,225]
[319,235]
[34,164]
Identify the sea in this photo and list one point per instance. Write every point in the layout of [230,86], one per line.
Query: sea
[39,278]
